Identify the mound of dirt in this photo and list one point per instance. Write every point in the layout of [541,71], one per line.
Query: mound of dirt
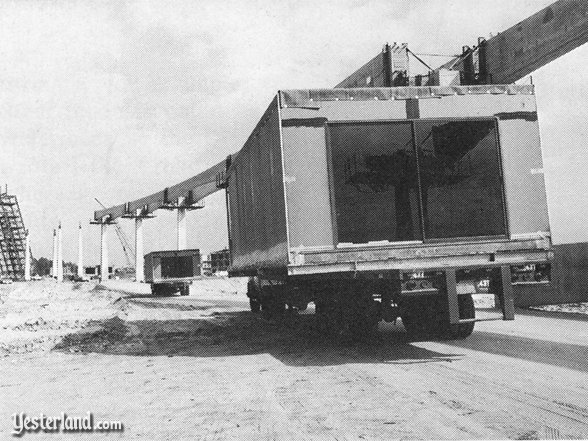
[36,315]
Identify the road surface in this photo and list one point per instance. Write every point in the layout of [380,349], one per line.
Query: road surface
[202,367]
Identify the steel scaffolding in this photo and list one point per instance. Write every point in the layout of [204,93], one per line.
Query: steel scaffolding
[12,238]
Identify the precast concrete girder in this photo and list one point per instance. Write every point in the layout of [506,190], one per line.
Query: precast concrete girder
[192,190]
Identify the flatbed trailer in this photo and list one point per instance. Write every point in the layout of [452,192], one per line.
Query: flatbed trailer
[378,203]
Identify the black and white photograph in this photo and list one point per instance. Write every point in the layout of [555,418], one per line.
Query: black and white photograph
[293,220]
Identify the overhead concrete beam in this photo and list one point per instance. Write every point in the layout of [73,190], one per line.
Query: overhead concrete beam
[197,187]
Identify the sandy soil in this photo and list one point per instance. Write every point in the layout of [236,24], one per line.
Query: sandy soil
[203,367]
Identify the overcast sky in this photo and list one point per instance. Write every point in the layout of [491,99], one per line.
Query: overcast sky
[115,100]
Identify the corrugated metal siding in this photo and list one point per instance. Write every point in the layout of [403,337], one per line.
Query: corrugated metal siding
[256,199]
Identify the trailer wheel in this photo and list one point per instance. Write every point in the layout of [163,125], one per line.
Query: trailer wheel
[327,317]
[467,310]
[420,316]
[273,308]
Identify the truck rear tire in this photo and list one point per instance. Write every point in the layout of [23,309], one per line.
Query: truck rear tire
[253,294]
[467,310]
[420,316]
[428,316]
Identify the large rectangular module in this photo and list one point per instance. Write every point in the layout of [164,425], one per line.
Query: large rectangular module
[409,172]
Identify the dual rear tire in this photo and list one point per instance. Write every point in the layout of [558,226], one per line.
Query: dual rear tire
[428,316]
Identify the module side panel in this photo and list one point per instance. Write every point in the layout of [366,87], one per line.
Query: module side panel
[524,180]
[522,164]
[148,267]
[307,185]
[256,200]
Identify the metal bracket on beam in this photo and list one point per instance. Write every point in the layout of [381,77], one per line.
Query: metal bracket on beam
[106,220]
[142,213]
[185,203]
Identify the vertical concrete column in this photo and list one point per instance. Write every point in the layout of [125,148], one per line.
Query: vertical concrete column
[182,232]
[103,252]
[27,268]
[80,254]
[54,263]
[59,254]
[139,264]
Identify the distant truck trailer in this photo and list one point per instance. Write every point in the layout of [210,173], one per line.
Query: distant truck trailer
[169,272]
[93,272]
[378,203]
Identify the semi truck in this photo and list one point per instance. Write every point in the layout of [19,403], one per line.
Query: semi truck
[385,196]
[378,203]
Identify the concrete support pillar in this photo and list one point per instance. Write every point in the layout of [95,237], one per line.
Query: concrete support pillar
[182,232]
[80,254]
[59,254]
[27,268]
[139,264]
[103,252]
[54,262]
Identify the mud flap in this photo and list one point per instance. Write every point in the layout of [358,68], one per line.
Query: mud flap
[451,287]
[506,293]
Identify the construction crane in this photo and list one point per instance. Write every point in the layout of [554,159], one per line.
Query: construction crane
[126,246]
[503,59]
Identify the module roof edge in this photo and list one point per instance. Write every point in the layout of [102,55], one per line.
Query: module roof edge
[294,97]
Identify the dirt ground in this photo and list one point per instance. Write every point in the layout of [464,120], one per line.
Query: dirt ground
[203,367]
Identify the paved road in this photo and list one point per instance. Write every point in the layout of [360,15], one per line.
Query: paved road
[187,367]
